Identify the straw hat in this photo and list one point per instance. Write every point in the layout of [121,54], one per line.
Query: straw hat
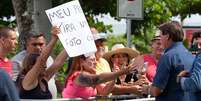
[120,48]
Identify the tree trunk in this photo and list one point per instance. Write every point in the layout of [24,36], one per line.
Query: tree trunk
[30,15]
[23,12]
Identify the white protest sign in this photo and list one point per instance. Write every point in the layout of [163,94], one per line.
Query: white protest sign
[75,35]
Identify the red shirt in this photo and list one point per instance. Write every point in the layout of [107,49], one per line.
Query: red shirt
[151,67]
[6,65]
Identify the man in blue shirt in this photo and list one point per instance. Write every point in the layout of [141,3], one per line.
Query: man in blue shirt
[175,59]
[191,82]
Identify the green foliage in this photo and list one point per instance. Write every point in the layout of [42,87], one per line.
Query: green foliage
[112,39]
[138,42]
[11,24]
[57,49]
[99,25]
[92,8]
[183,7]
[61,75]
[6,9]
[62,72]
[155,13]
[186,44]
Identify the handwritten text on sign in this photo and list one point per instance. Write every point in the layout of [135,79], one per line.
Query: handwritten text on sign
[75,34]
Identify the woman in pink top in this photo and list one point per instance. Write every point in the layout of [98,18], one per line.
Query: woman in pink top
[82,78]
[152,58]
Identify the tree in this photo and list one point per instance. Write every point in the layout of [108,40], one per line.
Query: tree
[30,16]
[92,8]
[23,13]
[155,12]
[183,7]
[6,9]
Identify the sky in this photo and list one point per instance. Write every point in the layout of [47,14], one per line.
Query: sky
[119,27]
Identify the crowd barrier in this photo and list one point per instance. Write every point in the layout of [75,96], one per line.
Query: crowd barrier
[99,98]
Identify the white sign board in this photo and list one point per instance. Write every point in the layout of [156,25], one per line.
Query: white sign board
[131,9]
[75,35]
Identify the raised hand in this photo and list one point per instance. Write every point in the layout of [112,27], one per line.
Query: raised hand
[55,30]
[137,63]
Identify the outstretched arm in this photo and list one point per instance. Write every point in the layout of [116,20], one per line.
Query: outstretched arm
[86,79]
[30,80]
[58,63]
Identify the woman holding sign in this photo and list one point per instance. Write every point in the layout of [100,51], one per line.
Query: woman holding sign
[32,80]
[82,79]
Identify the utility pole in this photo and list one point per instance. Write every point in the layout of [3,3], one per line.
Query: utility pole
[128,31]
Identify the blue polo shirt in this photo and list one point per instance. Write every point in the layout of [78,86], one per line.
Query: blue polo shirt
[193,83]
[175,59]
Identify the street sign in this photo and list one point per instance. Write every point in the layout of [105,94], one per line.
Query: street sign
[130,9]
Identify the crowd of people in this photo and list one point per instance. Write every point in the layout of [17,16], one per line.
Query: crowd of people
[169,72]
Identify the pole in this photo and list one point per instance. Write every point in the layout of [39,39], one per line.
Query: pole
[128,30]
